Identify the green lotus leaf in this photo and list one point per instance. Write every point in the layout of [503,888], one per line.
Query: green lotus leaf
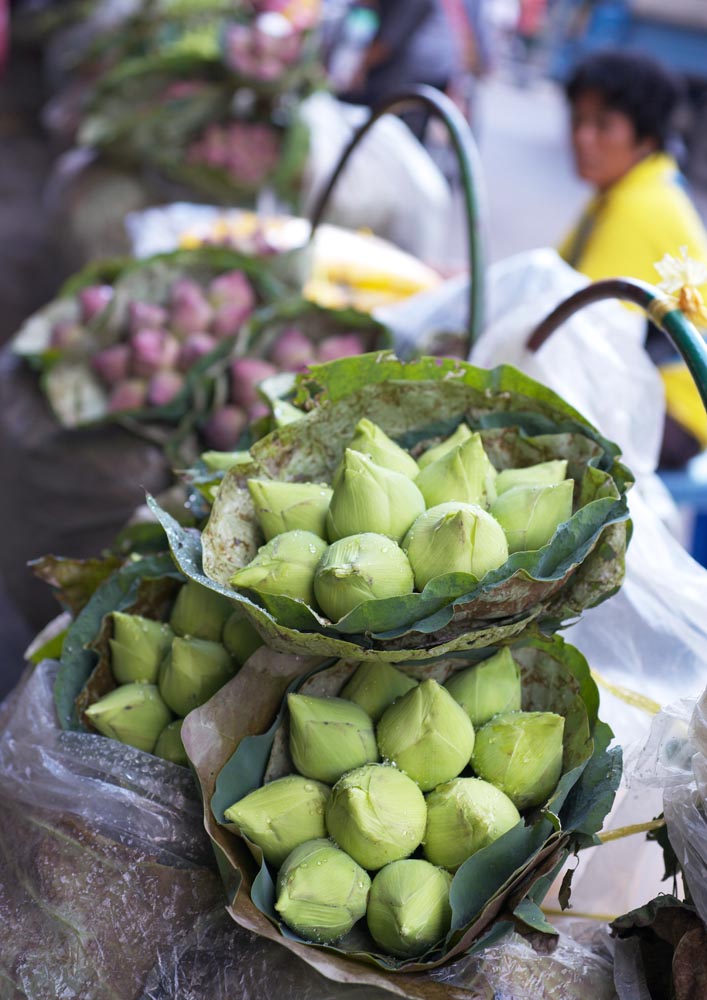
[418,404]
[517,865]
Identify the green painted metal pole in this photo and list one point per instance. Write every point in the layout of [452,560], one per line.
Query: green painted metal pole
[470,174]
[660,310]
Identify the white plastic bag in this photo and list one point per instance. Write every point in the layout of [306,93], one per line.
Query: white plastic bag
[674,759]
[389,184]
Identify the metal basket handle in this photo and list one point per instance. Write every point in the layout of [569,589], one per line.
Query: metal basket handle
[659,309]
[439,105]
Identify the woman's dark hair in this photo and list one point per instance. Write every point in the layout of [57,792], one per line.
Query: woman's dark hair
[637,85]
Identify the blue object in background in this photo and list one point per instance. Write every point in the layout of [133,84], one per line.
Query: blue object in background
[688,488]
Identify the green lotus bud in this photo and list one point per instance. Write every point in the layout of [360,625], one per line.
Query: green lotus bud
[200,612]
[408,908]
[321,892]
[376,814]
[282,507]
[192,672]
[360,568]
[370,440]
[454,538]
[542,474]
[329,736]
[169,744]
[426,734]
[222,461]
[375,685]
[133,713]
[461,434]
[240,638]
[463,816]
[369,498]
[281,815]
[487,688]
[138,647]
[529,515]
[521,753]
[285,565]
[464,473]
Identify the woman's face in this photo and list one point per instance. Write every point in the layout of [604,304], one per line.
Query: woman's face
[604,141]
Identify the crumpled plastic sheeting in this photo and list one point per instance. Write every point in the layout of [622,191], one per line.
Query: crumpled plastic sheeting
[108,888]
[674,758]
[511,970]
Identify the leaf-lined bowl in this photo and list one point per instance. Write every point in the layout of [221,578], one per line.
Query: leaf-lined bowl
[419,403]
[235,746]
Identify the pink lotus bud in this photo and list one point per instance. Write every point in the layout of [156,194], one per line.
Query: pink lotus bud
[257,410]
[292,350]
[152,350]
[340,345]
[195,346]
[232,287]
[93,299]
[128,395]
[163,387]
[246,373]
[112,363]
[142,314]
[223,429]
[66,335]
[213,146]
[229,318]
[190,312]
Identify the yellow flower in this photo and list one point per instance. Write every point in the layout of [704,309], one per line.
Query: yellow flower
[682,277]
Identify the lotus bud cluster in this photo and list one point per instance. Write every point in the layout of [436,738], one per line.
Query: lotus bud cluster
[247,152]
[395,524]
[394,784]
[158,343]
[166,668]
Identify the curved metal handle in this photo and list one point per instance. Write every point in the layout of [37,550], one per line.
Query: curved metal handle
[660,310]
[470,175]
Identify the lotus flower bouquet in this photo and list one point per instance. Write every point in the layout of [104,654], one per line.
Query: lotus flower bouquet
[449,508]
[137,344]
[390,821]
[144,650]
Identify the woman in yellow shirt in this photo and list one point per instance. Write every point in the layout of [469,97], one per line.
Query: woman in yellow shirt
[621,106]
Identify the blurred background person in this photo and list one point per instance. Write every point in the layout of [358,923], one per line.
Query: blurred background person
[413,44]
[622,107]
